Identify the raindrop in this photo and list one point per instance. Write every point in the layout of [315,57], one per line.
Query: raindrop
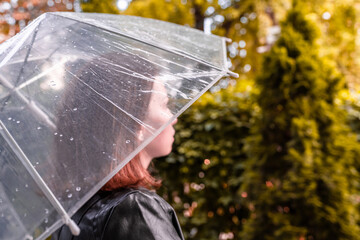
[38,128]
[67,190]
[60,135]
[17,121]
[26,185]
[52,83]
[37,163]
[55,133]
[103,152]
[9,118]
[127,141]
[16,189]
[71,139]
[74,109]
[46,220]
[78,189]
[46,211]
[69,195]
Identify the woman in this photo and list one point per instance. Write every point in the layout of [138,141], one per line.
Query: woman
[125,208]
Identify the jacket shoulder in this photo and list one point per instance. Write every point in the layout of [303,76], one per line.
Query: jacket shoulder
[142,214]
[125,214]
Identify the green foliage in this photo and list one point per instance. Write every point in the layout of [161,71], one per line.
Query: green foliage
[203,174]
[301,173]
[171,11]
[296,19]
[103,6]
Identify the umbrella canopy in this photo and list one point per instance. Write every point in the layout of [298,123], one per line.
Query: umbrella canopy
[80,95]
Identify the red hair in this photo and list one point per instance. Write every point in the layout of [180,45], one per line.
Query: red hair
[134,175]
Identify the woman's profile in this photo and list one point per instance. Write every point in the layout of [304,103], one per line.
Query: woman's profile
[126,207]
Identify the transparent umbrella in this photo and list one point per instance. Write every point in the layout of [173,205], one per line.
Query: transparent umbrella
[75,93]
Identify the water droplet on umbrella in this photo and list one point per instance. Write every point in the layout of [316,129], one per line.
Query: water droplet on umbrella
[46,211]
[16,189]
[78,189]
[46,220]
[71,139]
[26,185]
[103,152]
[60,135]
[55,133]
[69,195]
[37,163]
[75,109]
[127,141]
[38,128]
[9,118]
[67,190]
[17,121]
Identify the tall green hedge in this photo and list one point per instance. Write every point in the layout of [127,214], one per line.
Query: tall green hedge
[301,173]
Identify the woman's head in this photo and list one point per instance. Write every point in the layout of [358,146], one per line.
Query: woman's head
[157,115]
[103,118]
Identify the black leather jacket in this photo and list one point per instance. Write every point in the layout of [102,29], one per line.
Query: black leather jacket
[128,214]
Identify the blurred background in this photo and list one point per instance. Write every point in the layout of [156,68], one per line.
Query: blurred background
[274,154]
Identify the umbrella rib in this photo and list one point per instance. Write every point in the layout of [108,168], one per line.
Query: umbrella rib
[38,179]
[182,54]
[148,127]
[39,76]
[32,105]
[23,65]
